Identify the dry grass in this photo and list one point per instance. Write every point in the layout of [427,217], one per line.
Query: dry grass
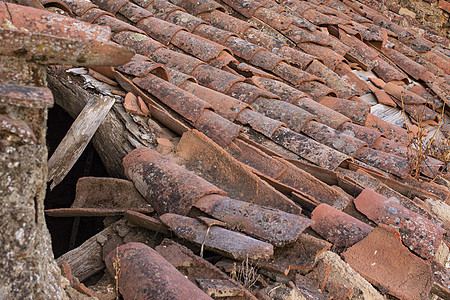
[117,270]
[419,146]
[246,274]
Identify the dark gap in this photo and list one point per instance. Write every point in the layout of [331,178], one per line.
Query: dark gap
[63,195]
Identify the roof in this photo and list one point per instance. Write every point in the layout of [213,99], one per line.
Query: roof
[294,129]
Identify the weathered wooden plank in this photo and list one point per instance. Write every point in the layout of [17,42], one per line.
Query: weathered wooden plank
[77,138]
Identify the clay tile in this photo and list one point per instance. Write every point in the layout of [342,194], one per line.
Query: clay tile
[215,79]
[36,20]
[218,239]
[301,255]
[268,61]
[368,135]
[27,96]
[422,114]
[87,212]
[382,96]
[141,43]
[198,7]
[385,262]
[111,5]
[338,227]
[330,58]
[117,25]
[191,23]
[388,130]
[197,46]
[384,161]
[358,49]
[289,94]
[293,116]
[93,14]
[356,111]
[332,79]
[178,79]
[441,280]
[253,71]
[144,274]
[226,106]
[403,95]
[387,72]
[160,30]
[162,9]
[417,232]
[296,57]
[316,90]
[178,61]
[269,42]
[202,156]
[259,122]
[18,130]
[80,7]
[167,186]
[267,224]
[293,75]
[142,68]
[309,149]
[406,64]
[246,8]
[242,48]
[226,22]
[273,19]
[219,129]
[130,103]
[92,192]
[437,60]
[355,82]
[146,222]
[333,138]
[219,36]
[249,93]
[187,105]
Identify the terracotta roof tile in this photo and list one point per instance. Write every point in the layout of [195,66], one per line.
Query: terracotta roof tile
[338,227]
[223,241]
[418,233]
[273,226]
[146,274]
[356,111]
[386,263]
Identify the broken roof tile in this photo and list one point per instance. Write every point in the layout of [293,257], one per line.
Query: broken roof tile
[218,239]
[151,172]
[387,72]
[338,227]
[388,130]
[418,233]
[386,263]
[301,255]
[270,225]
[144,274]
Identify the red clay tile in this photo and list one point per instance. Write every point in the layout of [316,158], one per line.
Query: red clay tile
[93,192]
[146,222]
[228,107]
[330,58]
[111,6]
[386,263]
[404,95]
[335,139]
[253,71]
[309,149]
[167,186]
[144,274]
[200,155]
[79,7]
[198,7]
[406,64]
[289,94]
[218,239]
[333,80]
[387,72]
[293,116]
[316,90]
[18,130]
[387,162]
[215,79]
[27,96]
[141,66]
[209,278]
[418,233]
[296,57]
[93,14]
[382,96]
[160,30]
[441,280]
[438,60]
[356,111]
[368,135]
[187,105]
[301,255]
[88,212]
[353,80]
[248,93]
[388,130]
[177,78]
[259,123]
[267,224]
[140,43]
[338,227]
